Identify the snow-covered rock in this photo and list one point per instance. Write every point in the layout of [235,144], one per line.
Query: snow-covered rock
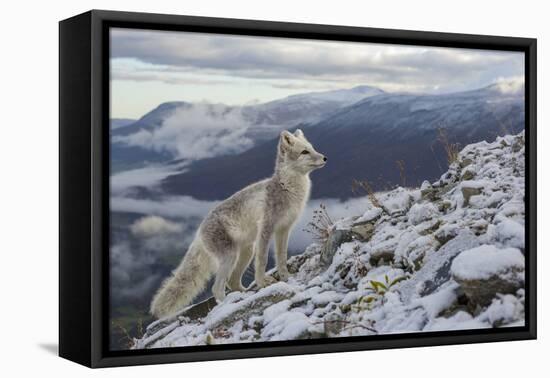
[486,270]
[446,256]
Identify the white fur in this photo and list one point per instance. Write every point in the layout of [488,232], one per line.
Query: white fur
[241,227]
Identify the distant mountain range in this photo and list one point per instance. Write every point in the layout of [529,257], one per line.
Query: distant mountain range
[367,134]
[265,121]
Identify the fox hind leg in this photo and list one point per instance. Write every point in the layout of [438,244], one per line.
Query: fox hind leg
[243,261]
[226,265]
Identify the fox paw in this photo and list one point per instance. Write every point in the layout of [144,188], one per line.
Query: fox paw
[283,275]
[265,281]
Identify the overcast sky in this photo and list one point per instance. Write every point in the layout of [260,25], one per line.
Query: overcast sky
[151,67]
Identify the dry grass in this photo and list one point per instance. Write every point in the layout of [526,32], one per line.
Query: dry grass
[128,339]
[320,224]
[365,186]
[451,149]
[401,168]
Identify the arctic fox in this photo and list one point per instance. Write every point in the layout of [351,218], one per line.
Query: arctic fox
[241,227]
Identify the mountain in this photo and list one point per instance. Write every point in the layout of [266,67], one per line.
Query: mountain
[263,121]
[125,156]
[120,122]
[387,139]
[267,120]
[448,256]
[152,119]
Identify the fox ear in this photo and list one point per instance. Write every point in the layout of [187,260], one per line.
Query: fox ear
[287,138]
[286,141]
[299,134]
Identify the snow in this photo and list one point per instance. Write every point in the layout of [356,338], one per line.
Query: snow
[369,215]
[485,261]
[421,212]
[435,303]
[272,312]
[287,326]
[396,201]
[511,232]
[326,297]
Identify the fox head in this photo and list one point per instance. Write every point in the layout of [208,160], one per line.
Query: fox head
[297,154]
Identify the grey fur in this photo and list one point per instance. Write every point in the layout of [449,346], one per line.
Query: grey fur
[242,226]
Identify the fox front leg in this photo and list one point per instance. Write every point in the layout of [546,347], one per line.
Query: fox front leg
[262,249]
[281,251]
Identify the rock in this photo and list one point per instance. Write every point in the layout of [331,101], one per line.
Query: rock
[430,228]
[518,144]
[254,305]
[485,271]
[335,239]
[396,202]
[191,313]
[438,270]
[381,257]
[364,231]
[444,206]
[468,174]
[370,216]
[482,292]
[421,212]
[469,189]
[333,323]
[465,162]
[446,233]
[295,263]
[428,192]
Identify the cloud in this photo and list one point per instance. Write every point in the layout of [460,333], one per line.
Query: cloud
[176,206]
[148,176]
[128,279]
[196,132]
[154,225]
[514,85]
[392,67]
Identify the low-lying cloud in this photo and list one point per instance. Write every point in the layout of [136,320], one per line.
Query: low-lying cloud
[154,225]
[149,176]
[196,132]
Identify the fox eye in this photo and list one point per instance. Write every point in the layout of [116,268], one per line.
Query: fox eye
[305,152]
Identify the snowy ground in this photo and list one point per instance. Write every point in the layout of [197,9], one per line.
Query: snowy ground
[447,256]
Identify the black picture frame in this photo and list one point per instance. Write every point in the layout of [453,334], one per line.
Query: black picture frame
[84,187]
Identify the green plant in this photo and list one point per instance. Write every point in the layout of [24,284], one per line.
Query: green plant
[379,290]
[383,287]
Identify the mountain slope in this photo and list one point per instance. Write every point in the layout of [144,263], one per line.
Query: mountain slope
[447,256]
[366,140]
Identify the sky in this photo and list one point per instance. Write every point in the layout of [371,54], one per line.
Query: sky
[150,67]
